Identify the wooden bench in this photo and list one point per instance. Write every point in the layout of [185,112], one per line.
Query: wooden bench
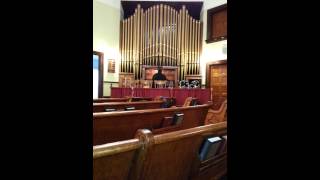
[169,156]
[102,100]
[122,125]
[134,99]
[120,106]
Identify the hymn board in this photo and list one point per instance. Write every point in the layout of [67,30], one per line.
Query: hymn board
[160,36]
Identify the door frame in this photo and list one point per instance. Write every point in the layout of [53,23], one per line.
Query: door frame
[100,84]
[208,70]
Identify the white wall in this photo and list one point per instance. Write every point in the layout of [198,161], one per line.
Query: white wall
[212,51]
[106,35]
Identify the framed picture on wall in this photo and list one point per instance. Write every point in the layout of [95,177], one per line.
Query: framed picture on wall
[111,66]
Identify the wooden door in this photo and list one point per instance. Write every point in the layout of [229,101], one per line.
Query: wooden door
[218,83]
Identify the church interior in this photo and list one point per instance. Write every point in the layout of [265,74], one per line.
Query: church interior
[160,89]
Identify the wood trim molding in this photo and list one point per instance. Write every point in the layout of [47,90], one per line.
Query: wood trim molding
[209,23]
[100,54]
[220,62]
[111,81]
[100,151]
[222,38]
[148,111]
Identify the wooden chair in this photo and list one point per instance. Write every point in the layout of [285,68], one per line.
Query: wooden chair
[186,103]
[129,98]
[216,116]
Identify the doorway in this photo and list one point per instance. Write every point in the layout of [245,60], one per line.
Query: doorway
[97,64]
[217,82]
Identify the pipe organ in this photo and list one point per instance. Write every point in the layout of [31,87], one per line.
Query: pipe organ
[160,36]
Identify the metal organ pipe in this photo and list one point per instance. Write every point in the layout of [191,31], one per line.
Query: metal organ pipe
[160,36]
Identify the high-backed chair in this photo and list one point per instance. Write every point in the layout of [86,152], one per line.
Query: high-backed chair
[216,116]
[129,98]
[187,102]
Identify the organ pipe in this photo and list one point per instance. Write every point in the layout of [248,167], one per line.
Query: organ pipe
[161,24]
[153,22]
[160,36]
[157,35]
[183,30]
[179,43]
[164,34]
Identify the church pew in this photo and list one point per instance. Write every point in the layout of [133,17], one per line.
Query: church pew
[122,125]
[102,100]
[125,99]
[120,106]
[114,160]
[175,155]
[134,99]
[169,156]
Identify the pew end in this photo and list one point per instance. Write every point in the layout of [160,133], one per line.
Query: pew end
[114,160]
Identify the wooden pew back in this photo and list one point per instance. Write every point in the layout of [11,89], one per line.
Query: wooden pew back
[114,160]
[102,100]
[120,106]
[117,126]
[167,156]
[175,155]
